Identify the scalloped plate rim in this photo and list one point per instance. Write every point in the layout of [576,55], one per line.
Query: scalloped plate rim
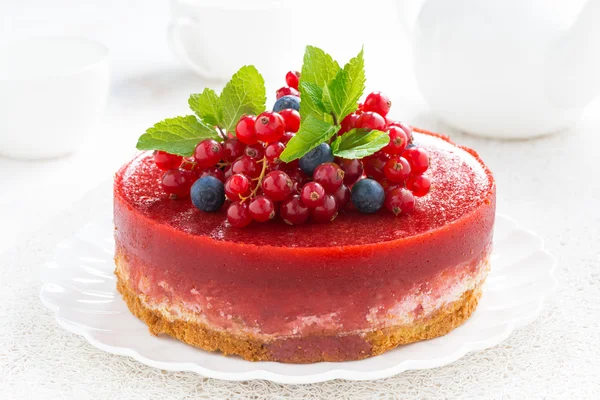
[336,373]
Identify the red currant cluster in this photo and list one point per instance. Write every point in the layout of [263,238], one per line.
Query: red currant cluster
[258,185]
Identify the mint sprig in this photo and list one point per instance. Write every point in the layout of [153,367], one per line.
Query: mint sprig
[178,135]
[215,115]
[312,133]
[358,143]
[329,93]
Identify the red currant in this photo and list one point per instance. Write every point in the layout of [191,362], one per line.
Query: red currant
[418,159]
[291,118]
[287,137]
[277,185]
[342,196]
[287,91]
[388,185]
[273,151]
[213,171]
[299,178]
[330,176]
[353,169]
[247,166]
[408,130]
[399,200]
[397,170]
[419,185]
[232,149]
[227,172]
[177,182]
[166,161]
[370,120]
[237,185]
[269,127]
[256,151]
[398,141]
[208,153]
[348,123]
[360,108]
[292,79]
[293,211]
[378,102]
[261,208]
[312,194]
[245,130]
[238,215]
[327,211]
[374,164]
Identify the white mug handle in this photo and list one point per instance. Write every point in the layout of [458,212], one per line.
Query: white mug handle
[176,27]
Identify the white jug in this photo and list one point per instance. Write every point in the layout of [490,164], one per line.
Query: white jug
[505,69]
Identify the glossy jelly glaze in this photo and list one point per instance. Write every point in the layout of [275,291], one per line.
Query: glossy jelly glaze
[346,275]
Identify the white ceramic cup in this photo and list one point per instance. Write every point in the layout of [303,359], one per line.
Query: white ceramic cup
[215,38]
[53,92]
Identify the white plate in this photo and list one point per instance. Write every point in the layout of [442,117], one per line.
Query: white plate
[79,286]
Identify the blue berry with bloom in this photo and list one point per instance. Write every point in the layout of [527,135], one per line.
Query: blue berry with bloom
[208,194]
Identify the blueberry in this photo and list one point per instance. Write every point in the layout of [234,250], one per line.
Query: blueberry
[208,194]
[367,195]
[286,102]
[317,156]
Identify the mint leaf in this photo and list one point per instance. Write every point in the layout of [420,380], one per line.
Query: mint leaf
[207,106]
[178,135]
[358,144]
[244,94]
[346,88]
[312,133]
[318,67]
[311,100]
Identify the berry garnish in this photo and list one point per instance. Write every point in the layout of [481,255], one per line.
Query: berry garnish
[287,91]
[233,149]
[353,169]
[245,130]
[399,201]
[329,175]
[317,156]
[277,185]
[286,102]
[236,186]
[269,127]
[177,182]
[208,194]
[293,211]
[325,212]
[166,161]
[397,170]
[291,118]
[312,194]
[287,137]
[342,196]
[367,195]
[238,215]
[370,120]
[398,140]
[261,208]
[348,123]
[292,79]
[374,165]
[378,102]
[299,178]
[418,159]
[247,166]
[208,153]
[256,151]
[273,151]
[419,185]
[214,172]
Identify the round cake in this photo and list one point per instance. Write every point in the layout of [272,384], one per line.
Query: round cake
[346,290]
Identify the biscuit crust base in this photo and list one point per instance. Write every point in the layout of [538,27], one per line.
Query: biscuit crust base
[306,349]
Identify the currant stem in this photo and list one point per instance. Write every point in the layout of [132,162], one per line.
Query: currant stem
[335,121]
[223,135]
[259,179]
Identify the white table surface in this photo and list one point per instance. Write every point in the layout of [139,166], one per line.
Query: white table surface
[550,185]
